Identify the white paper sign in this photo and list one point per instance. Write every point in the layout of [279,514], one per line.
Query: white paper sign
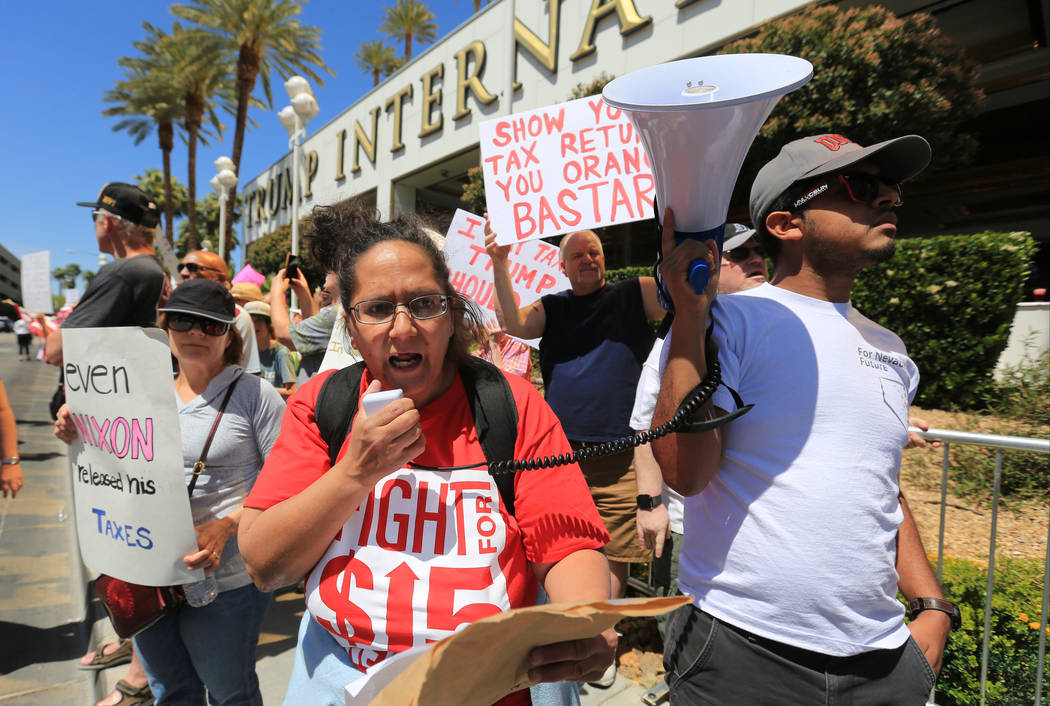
[533,264]
[132,511]
[36,282]
[340,352]
[567,167]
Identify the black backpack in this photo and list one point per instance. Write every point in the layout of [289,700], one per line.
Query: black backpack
[488,394]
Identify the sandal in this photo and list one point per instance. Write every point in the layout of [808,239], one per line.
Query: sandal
[101,660]
[130,696]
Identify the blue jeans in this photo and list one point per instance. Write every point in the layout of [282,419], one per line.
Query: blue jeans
[193,649]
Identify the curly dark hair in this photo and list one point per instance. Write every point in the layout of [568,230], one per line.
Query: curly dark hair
[345,231]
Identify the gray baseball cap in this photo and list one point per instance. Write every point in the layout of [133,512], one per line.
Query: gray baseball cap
[736,235]
[899,159]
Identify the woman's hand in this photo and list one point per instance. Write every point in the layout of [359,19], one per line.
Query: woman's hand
[496,252]
[65,429]
[211,539]
[384,442]
[573,660]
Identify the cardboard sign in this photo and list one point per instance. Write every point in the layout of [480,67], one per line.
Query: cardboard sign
[36,282]
[132,511]
[567,167]
[534,266]
[340,352]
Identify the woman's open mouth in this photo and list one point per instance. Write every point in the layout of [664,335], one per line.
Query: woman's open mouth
[405,361]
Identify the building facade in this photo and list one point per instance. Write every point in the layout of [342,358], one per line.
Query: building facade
[10,276]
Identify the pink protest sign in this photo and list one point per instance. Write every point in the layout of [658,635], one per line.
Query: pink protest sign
[534,266]
[563,168]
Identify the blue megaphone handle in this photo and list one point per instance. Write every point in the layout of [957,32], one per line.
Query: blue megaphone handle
[699,272]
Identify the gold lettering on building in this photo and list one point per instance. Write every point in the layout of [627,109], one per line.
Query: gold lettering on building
[311,172]
[395,103]
[340,154]
[471,82]
[361,140]
[273,188]
[430,99]
[288,188]
[260,204]
[545,52]
[626,14]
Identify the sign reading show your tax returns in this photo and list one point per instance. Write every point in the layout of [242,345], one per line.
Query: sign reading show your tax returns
[563,168]
[132,512]
[533,265]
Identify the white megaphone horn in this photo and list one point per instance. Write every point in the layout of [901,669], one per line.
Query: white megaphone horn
[697,119]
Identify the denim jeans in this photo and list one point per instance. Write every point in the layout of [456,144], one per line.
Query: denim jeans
[709,661]
[193,649]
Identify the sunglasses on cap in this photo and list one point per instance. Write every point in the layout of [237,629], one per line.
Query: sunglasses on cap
[194,268]
[861,188]
[185,322]
[744,252]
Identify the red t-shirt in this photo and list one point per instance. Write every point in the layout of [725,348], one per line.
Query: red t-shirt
[430,551]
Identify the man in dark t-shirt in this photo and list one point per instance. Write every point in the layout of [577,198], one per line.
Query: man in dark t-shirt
[594,339]
[125,292]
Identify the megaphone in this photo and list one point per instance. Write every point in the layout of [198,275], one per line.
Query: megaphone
[697,119]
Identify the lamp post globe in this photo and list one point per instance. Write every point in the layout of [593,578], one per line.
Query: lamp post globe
[294,117]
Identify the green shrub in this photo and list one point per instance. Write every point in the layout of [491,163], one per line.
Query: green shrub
[1014,644]
[1022,392]
[618,275]
[267,255]
[952,300]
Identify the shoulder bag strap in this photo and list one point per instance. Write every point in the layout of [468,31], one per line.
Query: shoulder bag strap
[200,464]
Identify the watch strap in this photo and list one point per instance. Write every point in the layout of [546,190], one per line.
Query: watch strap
[918,605]
[648,502]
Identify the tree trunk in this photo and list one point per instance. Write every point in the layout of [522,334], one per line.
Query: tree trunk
[247,72]
[166,136]
[194,115]
[375,77]
[408,47]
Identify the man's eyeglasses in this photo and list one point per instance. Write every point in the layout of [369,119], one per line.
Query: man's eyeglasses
[380,311]
[194,268]
[210,327]
[861,188]
[99,212]
[744,252]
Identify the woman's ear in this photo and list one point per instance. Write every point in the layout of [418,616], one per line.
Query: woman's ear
[785,225]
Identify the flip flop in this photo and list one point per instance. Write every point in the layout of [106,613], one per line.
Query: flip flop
[121,655]
[130,696]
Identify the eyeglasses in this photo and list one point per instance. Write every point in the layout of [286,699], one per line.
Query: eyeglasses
[861,188]
[194,268]
[744,252]
[99,212]
[209,327]
[380,311]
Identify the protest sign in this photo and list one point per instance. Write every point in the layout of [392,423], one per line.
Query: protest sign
[563,168]
[488,659]
[534,266]
[340,352]
[36,282]
[132,511]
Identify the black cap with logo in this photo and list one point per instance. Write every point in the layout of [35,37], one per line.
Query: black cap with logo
[129,202]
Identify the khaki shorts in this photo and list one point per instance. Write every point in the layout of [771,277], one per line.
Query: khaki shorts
[615,493]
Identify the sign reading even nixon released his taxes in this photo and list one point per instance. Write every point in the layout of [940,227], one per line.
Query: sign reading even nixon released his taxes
[567,167]
[132,511]
[534,266]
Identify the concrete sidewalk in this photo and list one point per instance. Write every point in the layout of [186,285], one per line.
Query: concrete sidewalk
[47,618]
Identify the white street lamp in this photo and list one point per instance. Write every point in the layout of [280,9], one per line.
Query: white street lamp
[294,117]
[222,182]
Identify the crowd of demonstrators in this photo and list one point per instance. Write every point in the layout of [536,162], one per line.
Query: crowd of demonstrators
[211,647]
[594,338]
[412,330]
[11,479]
[797,538]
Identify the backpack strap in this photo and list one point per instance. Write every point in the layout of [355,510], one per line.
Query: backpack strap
[488,394]
[495,417]
[337,405]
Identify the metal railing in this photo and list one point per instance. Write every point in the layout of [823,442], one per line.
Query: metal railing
[947,437]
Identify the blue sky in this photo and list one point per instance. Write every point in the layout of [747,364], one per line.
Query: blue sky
[56,61]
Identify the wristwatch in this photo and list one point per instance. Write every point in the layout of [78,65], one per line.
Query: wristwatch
[648,502]
[13,461]
[917,605]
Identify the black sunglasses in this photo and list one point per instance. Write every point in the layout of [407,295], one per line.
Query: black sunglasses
[184,322]
[861,188]
[194,267]
[744,252]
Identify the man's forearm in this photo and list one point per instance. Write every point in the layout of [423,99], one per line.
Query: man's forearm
[505,305]
[279,318]
[53,347]
[916,577]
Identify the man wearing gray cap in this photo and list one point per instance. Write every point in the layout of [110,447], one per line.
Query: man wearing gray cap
[803,536]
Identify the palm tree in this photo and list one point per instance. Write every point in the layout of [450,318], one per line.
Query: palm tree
[147,98]
[374,57]
[391,67]
[157,185]
[408,20]
[268,37]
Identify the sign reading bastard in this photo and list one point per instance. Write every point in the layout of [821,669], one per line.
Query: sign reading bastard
[568,167]
[133,515]
[534,266]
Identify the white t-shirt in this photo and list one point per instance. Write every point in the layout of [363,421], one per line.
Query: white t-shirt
[794,538]
[642,418]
